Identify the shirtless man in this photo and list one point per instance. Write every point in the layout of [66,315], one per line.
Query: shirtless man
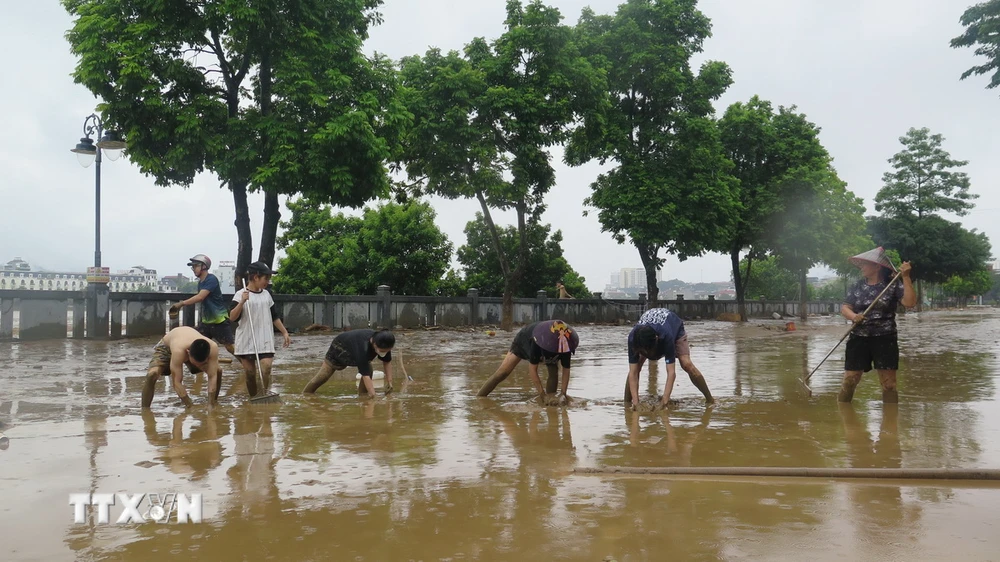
[183,346]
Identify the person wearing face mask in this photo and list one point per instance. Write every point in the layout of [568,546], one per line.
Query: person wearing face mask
[357,348]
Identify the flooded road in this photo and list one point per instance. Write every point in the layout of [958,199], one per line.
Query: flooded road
[435,473]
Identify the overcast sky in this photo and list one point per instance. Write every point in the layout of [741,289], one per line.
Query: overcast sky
[863,70]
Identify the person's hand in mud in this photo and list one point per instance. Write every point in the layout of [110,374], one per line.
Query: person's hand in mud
[563,400]
[388,388]
[175,309]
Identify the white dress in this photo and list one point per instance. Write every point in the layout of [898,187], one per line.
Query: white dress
[259,305]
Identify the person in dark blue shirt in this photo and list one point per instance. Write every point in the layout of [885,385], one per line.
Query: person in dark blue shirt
[660,334]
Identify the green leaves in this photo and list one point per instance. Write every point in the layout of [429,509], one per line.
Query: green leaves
[671,187]
[545,262]
[923,181]
[395,245]
[982,30]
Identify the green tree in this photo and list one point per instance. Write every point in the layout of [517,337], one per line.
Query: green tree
[924,181]
[978,282]
[483,123]
[821,222]
[923,184]
[783,171]
[938,248]
[982,30]
[395,245]
[545,264]
[670,188]
[769,280]
[274,96]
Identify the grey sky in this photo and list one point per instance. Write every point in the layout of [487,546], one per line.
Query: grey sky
[863,70]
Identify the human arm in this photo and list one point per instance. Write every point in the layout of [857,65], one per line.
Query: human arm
[533,371]
[214,375]
[847,311]
[240,299]
[668,388]
[281,328]
[909,299]
[369,384]
[177,378]
[387,369]
[202,295]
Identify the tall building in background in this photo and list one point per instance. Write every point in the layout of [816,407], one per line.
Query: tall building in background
[632,278]
[615,280]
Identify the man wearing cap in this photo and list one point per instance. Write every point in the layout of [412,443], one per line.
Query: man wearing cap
[551,342]
[660,334]
[874,340]
[215,322]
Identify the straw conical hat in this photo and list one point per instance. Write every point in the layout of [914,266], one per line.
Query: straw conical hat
[876,256]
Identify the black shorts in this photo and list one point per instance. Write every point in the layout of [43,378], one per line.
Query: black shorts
[863,352]
[222,332]
[250,357]
[338,355]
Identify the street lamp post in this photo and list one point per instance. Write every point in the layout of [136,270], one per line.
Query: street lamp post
[98,296]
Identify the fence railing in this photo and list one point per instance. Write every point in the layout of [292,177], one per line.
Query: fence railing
[36,315]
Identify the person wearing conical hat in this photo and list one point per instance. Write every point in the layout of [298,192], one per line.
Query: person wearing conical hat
[660,334]
[874,341]
[551,342]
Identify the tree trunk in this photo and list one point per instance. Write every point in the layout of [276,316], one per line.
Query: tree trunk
[272,210]
[507,309]
[734,258]
[269,230]
[647,254]
[244,244]
[513,278]
[803,294]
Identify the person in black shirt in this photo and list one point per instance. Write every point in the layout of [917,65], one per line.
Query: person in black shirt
[551,342]
[874,340]
[357,348]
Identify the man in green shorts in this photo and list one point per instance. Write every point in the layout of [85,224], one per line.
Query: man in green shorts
[183,346]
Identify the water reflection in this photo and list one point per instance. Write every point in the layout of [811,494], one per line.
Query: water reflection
[197,453]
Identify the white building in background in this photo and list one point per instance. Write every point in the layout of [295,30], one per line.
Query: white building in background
[631,278]
[17,274]
[615,281]
[226,272]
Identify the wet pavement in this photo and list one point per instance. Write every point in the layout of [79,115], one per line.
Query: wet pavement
[434,473]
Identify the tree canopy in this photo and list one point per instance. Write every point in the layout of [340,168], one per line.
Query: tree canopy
[274,96]
[484,119]
[398,245]
[924,180]
[545,265]
[670,187]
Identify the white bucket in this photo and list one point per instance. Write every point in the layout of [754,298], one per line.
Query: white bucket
[376,376]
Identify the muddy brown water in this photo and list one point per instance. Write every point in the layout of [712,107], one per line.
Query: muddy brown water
[435,473]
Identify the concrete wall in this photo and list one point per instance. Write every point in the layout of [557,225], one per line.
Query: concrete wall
[44,314]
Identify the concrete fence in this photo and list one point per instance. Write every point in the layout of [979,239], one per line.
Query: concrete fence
[37,315]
